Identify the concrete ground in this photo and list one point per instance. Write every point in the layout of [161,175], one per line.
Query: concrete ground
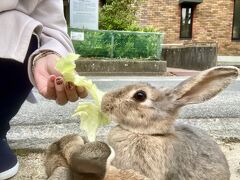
[232,151]
[32,164]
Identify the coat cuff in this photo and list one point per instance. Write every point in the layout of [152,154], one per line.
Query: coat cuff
[50,48]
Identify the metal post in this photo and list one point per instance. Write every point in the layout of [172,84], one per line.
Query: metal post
[158,46]
[112,44]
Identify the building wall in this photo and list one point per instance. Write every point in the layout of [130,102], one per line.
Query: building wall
[212,22]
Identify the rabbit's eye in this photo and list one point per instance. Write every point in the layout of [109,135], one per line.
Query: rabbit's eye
[140,96]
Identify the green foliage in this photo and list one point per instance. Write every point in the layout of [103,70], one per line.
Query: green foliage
[90,113]
[136,45]
[115,44]
[136,27]
[118,14]
[95,44]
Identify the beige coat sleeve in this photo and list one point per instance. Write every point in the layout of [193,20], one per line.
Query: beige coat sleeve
[54,35]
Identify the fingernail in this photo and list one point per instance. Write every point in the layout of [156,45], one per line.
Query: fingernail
[52,78]
[59,81]
[70,86]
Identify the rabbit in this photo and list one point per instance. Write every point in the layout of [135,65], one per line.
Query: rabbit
[73,158]
[147,139]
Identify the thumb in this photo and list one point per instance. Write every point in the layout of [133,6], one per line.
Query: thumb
[51,64]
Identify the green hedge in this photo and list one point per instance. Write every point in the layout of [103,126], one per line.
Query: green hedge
[120,44]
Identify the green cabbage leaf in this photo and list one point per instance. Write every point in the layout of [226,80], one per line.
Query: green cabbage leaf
[89,112]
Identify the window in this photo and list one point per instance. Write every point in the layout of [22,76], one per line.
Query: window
[103,2]
[236,21]
[186,21]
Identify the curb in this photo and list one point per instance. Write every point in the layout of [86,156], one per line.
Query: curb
[121,67]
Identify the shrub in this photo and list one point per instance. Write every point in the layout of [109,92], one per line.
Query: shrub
[117,44]
[119,15]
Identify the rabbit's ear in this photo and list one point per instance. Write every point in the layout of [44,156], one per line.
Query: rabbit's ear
[205,85]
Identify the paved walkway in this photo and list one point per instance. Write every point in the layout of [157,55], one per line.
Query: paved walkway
[37,170]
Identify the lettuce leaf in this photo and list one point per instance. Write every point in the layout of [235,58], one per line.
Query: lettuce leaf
[90,113]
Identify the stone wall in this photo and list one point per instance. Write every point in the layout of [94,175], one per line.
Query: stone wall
[212,22]
[191,56]
[124,67]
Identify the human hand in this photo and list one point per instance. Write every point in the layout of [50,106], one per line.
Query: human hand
[51,84]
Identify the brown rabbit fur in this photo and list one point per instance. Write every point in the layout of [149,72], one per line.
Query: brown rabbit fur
[72,158]
[146,138]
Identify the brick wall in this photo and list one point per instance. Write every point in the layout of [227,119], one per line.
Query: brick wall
[212,22]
